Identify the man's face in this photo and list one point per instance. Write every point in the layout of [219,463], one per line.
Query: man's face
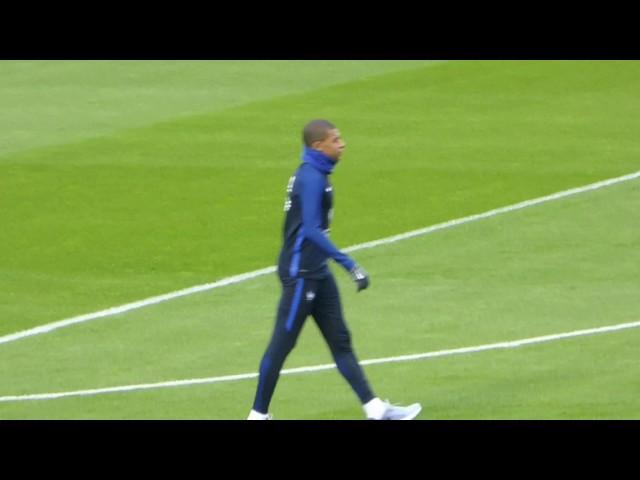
[332,145]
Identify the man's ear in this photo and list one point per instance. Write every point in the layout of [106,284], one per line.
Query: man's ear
[316,145]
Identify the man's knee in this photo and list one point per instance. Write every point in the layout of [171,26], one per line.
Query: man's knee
[342,343]
[281,345]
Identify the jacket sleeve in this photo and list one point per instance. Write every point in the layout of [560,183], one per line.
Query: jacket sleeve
[311,191]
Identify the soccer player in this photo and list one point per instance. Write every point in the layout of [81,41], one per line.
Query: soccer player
[308,286]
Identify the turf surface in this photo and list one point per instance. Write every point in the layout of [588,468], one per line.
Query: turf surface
[114,201]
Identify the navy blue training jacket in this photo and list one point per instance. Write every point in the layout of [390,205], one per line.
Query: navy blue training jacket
[308,208]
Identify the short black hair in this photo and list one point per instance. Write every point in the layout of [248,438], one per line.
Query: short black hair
[316,130]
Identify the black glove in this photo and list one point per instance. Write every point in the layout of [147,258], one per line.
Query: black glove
[360,277]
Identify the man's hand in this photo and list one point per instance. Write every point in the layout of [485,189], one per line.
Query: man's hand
[360,277]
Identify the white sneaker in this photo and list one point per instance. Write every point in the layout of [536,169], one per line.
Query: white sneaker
[376,409]
[253,415]
[395,412]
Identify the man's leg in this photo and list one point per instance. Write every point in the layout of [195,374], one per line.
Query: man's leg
[293,309]
[327,312]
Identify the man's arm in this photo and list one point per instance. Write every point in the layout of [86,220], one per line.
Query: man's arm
[311,200]
[311,188]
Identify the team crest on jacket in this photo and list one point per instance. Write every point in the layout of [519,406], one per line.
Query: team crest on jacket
[310,296]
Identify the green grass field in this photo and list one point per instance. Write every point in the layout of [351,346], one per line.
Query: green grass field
[124,180]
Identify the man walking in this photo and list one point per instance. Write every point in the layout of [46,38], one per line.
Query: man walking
[308,286]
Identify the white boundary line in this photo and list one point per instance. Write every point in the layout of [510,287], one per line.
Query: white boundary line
[50,327]
[318,368]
